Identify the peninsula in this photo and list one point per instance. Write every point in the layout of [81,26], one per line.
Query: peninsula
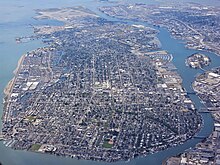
[100,90]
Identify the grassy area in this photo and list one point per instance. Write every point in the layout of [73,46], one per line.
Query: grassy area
[106,125]
[107,145]
[31,118]
[35,147]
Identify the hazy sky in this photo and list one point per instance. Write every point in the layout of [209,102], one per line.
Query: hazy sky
[206,2]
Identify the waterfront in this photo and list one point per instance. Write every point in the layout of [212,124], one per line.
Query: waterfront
[9,58]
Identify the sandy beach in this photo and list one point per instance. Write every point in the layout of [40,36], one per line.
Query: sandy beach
[20,62]
[10,84]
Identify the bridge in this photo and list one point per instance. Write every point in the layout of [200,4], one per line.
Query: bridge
[199,137]
[191,93]
[204,110]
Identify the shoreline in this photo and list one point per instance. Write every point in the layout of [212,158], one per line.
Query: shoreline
[209,139]
[157,26]
[9,86]
[11,83]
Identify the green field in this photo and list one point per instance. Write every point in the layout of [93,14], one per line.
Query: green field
[35,147]
[31,118]
[107,145]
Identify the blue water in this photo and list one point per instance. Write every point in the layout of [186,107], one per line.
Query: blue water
[15,19]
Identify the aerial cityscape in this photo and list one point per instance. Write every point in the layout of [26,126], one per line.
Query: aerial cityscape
[197,24]
[206,152]
[103,86]
[94,94]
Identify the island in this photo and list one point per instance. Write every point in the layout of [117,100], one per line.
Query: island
[198,60]
[98,90]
